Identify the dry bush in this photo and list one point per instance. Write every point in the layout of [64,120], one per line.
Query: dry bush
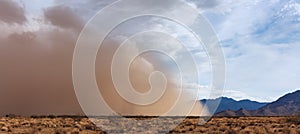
[230,131]
[294,120]
[223,128]
[245,131]
[260,130]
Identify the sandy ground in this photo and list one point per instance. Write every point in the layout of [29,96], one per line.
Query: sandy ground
[75,125]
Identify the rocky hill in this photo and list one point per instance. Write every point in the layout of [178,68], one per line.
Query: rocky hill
[286,105]
[231,104]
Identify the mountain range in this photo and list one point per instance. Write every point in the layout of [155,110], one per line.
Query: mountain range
[286,105]
[231,104]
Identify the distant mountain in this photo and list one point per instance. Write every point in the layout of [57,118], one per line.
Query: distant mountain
[286,105]
[240,112]
[231,104]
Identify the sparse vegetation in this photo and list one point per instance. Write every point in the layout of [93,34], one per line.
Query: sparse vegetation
[73,124]
[294,119]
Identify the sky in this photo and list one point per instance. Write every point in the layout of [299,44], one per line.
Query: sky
[259,38]
[261,44]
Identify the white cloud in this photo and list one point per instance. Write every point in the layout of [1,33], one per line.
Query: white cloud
[261,44]
[238,95]
[292,8]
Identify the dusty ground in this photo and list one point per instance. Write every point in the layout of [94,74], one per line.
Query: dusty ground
[119,125]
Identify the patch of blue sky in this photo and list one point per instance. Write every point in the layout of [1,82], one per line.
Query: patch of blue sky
[228,43]
[282,27]
[278,33]
[214,18]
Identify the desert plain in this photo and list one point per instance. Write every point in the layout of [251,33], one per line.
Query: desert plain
[84,125]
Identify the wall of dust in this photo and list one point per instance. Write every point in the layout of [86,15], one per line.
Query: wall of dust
[36,67]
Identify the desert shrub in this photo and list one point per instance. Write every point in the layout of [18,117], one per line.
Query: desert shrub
[223,128]
[294,119]
[260,130]
[34,116]
[11,116]
[245,131]
[230,131]
[60,131]
[286,130]
[51,116]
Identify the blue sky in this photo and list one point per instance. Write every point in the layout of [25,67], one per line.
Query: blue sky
[260,40]
[261,44]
